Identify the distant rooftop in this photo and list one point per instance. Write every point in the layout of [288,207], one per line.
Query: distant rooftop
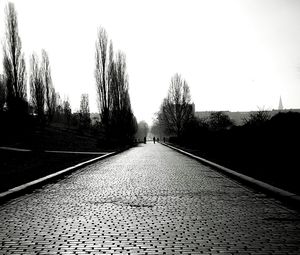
[238,117]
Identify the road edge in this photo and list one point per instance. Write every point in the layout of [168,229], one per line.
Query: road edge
[19,190]
[283,195]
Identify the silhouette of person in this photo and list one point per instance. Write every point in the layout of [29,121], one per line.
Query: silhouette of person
[164,139]
[153,139]
[144,139]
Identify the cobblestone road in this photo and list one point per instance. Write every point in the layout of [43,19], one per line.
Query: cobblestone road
[147,200]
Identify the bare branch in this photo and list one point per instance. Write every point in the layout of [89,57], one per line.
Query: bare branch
[14,63]
[37,88]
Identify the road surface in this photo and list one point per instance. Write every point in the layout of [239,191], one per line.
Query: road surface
[147,200]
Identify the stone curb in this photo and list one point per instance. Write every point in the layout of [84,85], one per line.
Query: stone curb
[281,194]
[6,195]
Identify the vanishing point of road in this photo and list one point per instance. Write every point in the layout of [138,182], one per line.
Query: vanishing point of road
[147,200]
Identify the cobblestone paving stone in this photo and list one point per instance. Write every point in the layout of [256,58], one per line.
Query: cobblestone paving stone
[147,200]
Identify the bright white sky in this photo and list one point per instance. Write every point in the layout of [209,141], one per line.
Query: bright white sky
[235,55]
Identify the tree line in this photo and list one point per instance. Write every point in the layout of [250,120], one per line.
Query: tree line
[44,105]
[262,147]
[176,117]
[43,102]
[117,119]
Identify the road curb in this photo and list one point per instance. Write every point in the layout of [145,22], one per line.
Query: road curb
[283,195]
[16,191]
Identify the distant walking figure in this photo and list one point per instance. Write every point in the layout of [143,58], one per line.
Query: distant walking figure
[153,139]
[145,139]
[164,139]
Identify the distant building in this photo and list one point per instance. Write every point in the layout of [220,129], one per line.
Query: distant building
[193,108]
[239,117]
[280,107]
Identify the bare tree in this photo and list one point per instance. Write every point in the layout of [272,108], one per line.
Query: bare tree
[53,103]
[84,114]
[143,129]
[112,90]
[177,109]
[111,76]
[159,127]
[50,97]
[37,88]
[67,111]
[2,92]
[123,122]
[59,107]
[102,84]
[257,119]
[219,121]
[14,64]
[119,86]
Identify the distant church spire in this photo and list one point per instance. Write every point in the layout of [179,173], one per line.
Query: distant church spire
[280,107]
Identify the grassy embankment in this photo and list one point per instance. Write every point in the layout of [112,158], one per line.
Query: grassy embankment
[268,153]
[18,167]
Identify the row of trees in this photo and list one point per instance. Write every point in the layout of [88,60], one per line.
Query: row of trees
[262,147]
[117,121]
[142,130]
[44,102]
[43,96]
[13,82]
[176,115]
[112,85]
